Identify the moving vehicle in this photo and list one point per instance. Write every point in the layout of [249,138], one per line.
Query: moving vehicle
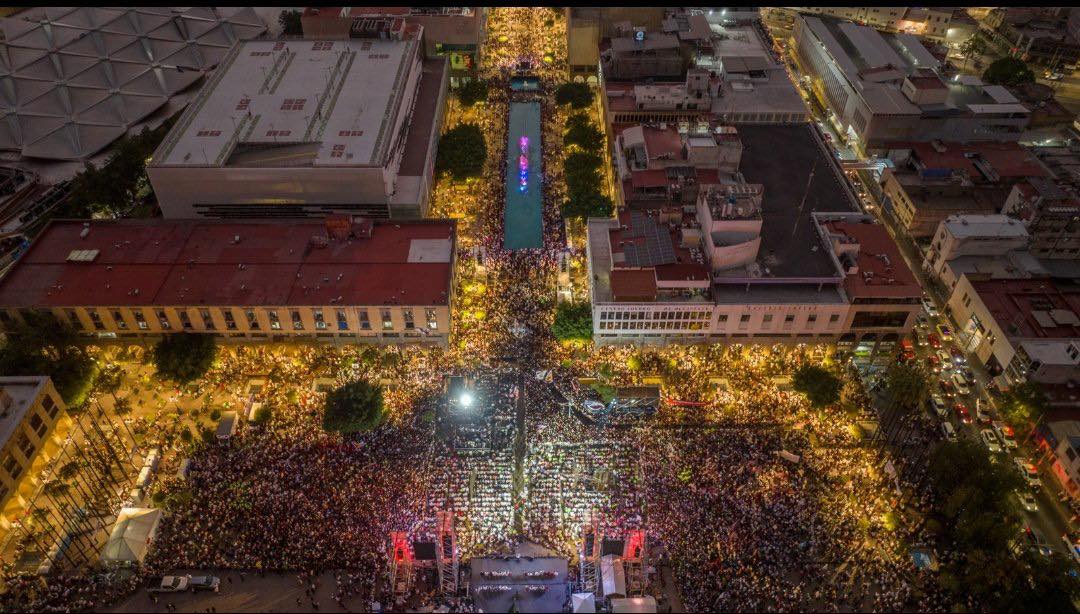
[947,389]
[204,583]
[958,356]
[981,414]
[935,363]
[990,439]
[961,384]
[1027,501]
[920,337]
[934,341]
[969,375]
[168,584]
[948,430]
[930,307]
[945,332]
[1029,472]
[1036,540]
[946,360]
[1007,435]
[1053,76]
[939,406]
[962,413]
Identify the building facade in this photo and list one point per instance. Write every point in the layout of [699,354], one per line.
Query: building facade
[342,281]
[33,425]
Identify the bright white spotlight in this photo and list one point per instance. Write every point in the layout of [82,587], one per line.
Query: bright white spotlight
[466,399]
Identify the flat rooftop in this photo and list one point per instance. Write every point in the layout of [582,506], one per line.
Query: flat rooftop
[976,225]
[336,101]
[882,272]
[189,263]
[800,177]
[1032,308]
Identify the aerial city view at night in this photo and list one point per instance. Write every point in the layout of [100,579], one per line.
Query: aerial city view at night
[539,309]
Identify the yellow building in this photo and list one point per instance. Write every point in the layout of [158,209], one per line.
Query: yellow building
[33,425]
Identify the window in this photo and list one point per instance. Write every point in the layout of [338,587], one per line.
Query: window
[811,320]
[140,320]
[339,151]
[406,314]
[322,46]
[766,319]
[163,320]
[73,318]
[320,323]
[50,406]
[95,317]
[293,104]
[119,319]
[432,322]
[25,446]
[351,133]
[11,466]
[275,322]
[744,318]
[253,322]
[37,424]
[278,132]
[208,322]
[243,104]
[387,322]
[1070,453]
[185,319]
[208,133]
[230,323]
[342,322]
[789,318]
[362,315]
[297,323]
[723,318]
[834,318]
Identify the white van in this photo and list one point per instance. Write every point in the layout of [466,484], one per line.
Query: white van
[948,430]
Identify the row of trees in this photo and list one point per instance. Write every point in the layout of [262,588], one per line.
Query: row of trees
[581,168]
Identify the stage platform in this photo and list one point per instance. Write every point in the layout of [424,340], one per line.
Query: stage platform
[516,584]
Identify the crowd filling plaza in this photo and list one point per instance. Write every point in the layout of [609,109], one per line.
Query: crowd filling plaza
[751,497]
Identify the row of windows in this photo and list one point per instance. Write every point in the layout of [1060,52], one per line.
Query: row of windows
[662,320]
[655,315]
[24,444]
[294,318]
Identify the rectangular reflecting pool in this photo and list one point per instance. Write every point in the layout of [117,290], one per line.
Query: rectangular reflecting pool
[522,215]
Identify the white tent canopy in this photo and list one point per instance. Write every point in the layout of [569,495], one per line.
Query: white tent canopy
[583,603]
[612,575]
[131,535]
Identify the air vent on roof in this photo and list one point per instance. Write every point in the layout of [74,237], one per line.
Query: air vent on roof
[82,255]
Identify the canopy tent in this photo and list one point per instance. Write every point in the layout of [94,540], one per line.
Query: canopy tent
[583,603]
[131,535]
[612,575]
[633,605]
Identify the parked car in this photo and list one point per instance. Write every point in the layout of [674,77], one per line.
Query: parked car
[962,413]
[1036,541]
[980,412]
[947,389]
[991,441]
[1029,472]
[930,307]
[948,431]
[961,384]
[969,375]
[167,584]
[920,338]
[946,360]
[958,356]
[1007,435]
[944,332]
[205,583]
[1027,501]
[934,341]
[935,363]
[938,405]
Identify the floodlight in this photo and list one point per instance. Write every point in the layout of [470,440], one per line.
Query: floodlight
[466,399]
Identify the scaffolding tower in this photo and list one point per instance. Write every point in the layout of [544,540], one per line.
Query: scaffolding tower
[634,554]
[401,564]
[591,541]
[447,554]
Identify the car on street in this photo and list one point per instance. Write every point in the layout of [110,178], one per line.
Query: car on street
[1029,472]
[938,405]
[948,431]
[1053,76]
[167,584]
[962,413]
[1036,541]
[958,356]
[934,341]
[990,440]
[947,389]
[961,384]
[920,337]
[945,332]
[1007,435]
[935,363]
[921,321]
[1027,501]
[930,307]
[946,360]
[205,583]
[969,375]
[981,414]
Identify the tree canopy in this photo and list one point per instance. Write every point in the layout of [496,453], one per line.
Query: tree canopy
[290,23]
[581,132]
[462,152]
[586,204]
[1008,71]
[573,321]
[184,357]
[472,92]
[577,95]
[354,408]
[1024,403]
[44,346]
[819,385]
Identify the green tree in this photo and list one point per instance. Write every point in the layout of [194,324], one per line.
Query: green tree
[820,386]
[1025,403]
[263,414]
[290,23]
[184,357]
[1008,71]
[573,321]
[577,95]
[354,408]
[472,92]
[972,47]
[581,132]
[44,346]
[587,204]
[462,152]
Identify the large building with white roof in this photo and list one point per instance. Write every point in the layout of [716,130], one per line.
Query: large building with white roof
[303,128]
[881,86]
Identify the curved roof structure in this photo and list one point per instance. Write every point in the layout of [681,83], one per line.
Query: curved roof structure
[74,79]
